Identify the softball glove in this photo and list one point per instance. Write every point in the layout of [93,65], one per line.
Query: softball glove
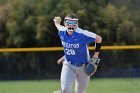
[92,65]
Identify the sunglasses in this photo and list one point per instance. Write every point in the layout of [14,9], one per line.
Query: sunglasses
[71,22]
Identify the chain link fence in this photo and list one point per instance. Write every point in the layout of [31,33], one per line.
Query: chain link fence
[43,65]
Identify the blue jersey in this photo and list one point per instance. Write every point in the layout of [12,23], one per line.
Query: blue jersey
[76,45]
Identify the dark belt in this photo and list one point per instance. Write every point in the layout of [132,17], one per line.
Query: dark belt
[77,65]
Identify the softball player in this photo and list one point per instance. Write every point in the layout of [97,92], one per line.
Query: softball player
[76,54]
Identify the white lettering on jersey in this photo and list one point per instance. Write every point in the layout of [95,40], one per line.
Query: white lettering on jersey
[70,51]
[68,45]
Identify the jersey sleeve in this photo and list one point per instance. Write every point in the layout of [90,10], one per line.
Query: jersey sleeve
[61,28]
[89,37]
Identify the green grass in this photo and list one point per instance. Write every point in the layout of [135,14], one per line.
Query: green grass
[128,85]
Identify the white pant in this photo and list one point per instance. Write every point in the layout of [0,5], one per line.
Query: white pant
[70,74]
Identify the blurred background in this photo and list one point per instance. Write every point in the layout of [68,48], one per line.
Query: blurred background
[29,24]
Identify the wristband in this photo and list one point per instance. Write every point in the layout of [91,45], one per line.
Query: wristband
[98,47]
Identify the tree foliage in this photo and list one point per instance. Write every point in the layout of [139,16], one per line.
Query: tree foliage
[31,20]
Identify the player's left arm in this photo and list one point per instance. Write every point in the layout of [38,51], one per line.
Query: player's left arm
[98,45]
[92,65]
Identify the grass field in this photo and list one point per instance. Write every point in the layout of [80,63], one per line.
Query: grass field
[127,85]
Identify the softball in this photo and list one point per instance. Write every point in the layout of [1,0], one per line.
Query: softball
[58,18]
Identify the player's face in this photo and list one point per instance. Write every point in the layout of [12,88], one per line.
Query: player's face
[71,24]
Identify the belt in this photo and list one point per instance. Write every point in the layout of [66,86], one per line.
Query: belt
[77,65]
